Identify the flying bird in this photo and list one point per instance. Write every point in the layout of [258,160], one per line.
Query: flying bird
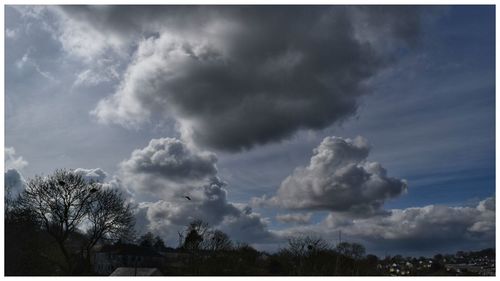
[188,198]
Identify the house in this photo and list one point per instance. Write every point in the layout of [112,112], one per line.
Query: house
[111,257]
[136,271]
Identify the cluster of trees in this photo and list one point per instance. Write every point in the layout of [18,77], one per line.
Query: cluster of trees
[149,240]
[210,251]
[54,224]
[199,236]
[314,256]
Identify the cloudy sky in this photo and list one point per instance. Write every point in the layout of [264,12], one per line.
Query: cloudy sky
[275,120]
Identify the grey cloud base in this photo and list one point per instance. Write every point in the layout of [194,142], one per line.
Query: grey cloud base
[418,230]
[429,228]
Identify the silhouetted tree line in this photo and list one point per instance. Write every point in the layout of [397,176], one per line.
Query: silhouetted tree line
[54,225]
[211,252]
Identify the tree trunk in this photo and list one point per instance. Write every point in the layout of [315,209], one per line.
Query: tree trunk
[69,265]
[88,263]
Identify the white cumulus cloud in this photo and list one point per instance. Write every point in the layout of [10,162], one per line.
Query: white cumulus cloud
[184,185]
[339,178]
[12,161]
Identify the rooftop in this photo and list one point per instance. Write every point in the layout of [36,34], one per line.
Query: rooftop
[139,271]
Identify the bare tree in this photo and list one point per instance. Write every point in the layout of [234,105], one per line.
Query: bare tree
[159,244]
[304,245]
[193,240]
[147,240]
[302,249]
[353,250]
[59,202]
[180,242]
[110,218]
[8,200]
[218,241]
[63,201]
[196,233]
[199,226]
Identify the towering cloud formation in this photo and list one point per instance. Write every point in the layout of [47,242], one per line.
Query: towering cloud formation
[210,68]
[168,164]
[208,203]
[339,179]
[184,184]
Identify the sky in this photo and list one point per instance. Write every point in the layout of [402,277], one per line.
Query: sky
[278,121]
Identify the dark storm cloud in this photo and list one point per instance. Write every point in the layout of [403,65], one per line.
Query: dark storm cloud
[339,179]
[131,21]
[380,22]
[234,77]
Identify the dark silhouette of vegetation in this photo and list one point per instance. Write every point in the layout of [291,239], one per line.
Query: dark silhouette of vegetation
[352,250]
[56,208]
[61,222]
[147,240]
[26,246]
[159,244]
